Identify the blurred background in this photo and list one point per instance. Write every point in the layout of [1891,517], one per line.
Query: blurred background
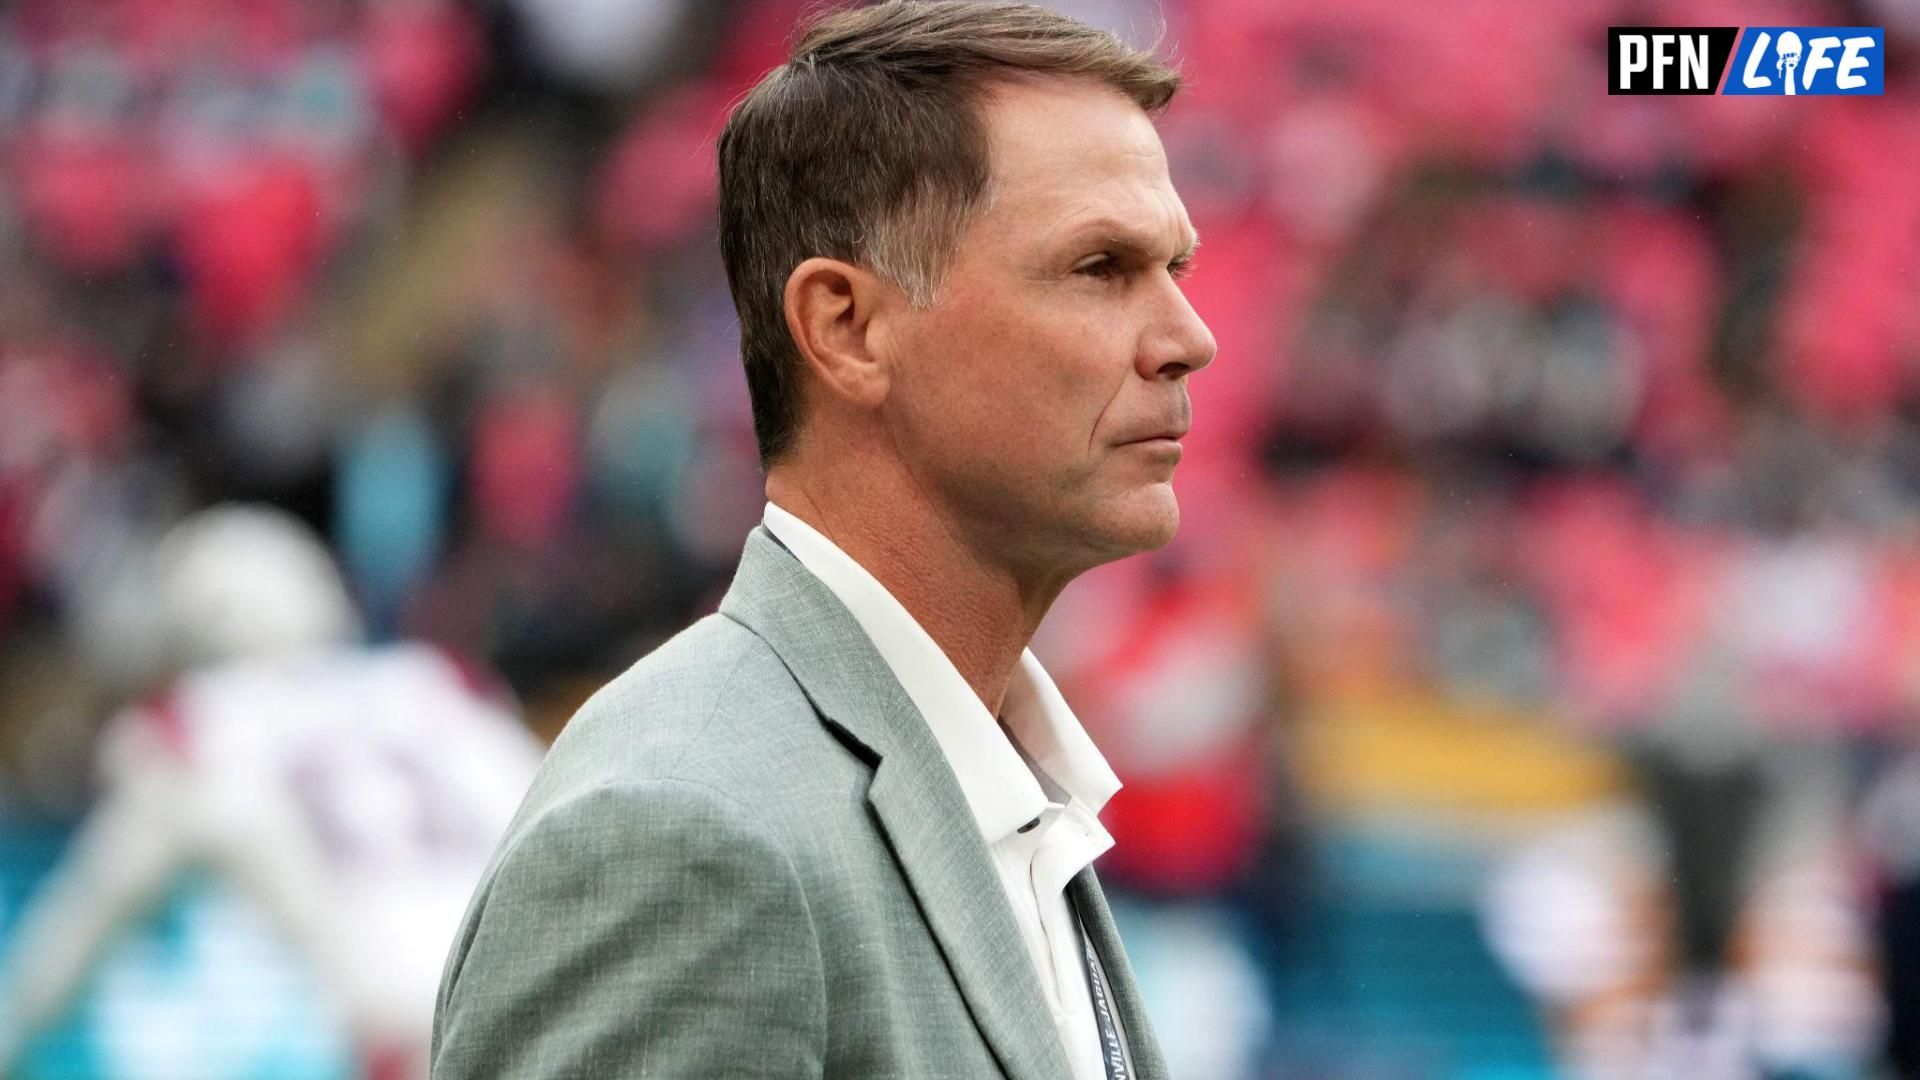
[1533,691]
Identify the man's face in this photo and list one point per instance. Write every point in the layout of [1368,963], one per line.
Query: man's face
[1026,400]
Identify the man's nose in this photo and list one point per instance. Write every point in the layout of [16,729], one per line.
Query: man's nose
[1180,344]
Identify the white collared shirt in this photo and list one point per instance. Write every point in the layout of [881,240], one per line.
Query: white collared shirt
[1048,771]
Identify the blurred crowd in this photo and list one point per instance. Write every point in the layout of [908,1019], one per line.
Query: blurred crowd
[1532,690]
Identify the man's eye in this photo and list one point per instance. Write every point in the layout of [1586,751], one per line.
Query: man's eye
[1107,267]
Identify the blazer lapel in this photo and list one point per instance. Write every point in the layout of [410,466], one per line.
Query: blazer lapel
[1097,919]
[914,796]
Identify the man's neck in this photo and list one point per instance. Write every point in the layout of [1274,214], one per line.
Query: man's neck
[978,613]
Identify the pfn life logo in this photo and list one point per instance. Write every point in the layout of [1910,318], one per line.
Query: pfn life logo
[1783,60]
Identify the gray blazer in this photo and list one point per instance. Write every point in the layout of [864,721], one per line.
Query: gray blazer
[747,857]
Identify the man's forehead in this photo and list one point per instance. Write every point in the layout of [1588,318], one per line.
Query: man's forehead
[1070,157]
[1048,130]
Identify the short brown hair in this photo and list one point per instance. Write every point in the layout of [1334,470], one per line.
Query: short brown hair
[867,146]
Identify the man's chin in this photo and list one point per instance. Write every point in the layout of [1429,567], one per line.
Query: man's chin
[1148,523]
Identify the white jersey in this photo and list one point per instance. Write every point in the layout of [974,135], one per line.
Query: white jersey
[395,775]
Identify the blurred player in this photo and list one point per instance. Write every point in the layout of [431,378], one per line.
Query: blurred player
[354,793]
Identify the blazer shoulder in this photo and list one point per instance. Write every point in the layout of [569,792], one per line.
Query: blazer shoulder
[692,691]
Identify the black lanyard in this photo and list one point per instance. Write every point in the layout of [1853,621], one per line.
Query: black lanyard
[1113,1048]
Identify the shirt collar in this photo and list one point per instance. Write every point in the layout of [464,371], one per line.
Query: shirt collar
[1001,790]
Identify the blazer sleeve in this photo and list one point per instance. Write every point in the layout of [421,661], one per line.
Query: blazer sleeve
[651,929]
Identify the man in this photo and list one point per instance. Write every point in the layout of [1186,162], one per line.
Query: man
[844,826]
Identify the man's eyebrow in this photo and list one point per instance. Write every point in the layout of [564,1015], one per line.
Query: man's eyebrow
[1132,241]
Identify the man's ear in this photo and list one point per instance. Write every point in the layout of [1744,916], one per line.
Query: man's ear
[830,307]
